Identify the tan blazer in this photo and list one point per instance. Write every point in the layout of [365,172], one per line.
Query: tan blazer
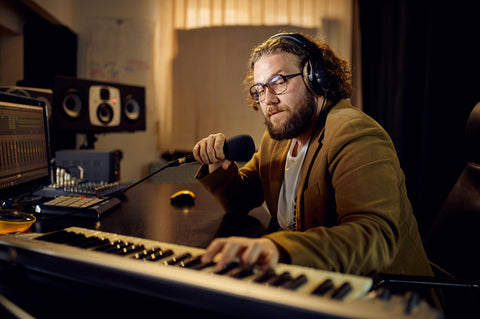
[353,213]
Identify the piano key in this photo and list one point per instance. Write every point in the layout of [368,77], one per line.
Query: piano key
[73,239]
[159,255]
[191,262]
[242,271]
[130,249]
[151,280]
[59,237]
[117,245]
[342,291]
[227,268]
[177,259]
[295,282]
[264,276]
[280,279]
[412,299]
[144,253]
[111,247]
[91,242]
[201,266]
[323,288]
[106,245]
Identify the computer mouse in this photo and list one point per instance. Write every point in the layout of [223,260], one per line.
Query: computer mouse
[183,198]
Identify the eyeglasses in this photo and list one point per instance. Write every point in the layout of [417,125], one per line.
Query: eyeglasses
[277,84]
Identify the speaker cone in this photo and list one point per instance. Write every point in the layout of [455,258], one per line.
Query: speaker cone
[72,104]
[132,109]
[105,113]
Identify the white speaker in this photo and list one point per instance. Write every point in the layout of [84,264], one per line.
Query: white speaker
[104,105]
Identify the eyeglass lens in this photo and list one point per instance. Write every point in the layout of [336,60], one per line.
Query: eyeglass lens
[276,84]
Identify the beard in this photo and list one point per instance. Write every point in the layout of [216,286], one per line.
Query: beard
[300,118]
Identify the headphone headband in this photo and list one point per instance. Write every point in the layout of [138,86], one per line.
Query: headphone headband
[314,74]
[297,38]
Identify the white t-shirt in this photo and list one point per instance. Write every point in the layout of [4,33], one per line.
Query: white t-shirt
[287,201]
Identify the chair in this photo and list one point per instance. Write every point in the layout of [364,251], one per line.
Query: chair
[452,242]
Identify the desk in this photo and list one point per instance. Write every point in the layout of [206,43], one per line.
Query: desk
[45,291]
[146,212]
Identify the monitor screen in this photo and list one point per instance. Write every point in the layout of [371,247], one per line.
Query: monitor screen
[24,145]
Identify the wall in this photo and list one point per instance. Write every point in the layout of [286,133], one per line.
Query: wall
[11,43]
[56,11]
[12,18]
[139,148]
[208,93]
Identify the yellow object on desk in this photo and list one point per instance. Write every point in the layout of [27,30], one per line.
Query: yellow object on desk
[13,221]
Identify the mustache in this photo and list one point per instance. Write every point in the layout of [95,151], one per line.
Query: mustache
[275,109]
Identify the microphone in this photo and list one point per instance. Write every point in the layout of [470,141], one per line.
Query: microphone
[238,148]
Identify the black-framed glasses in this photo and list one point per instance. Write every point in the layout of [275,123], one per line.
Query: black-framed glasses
[277,84]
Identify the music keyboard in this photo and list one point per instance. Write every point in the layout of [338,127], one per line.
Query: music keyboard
[173,273]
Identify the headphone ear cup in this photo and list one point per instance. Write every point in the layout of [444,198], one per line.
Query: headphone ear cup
[315,78]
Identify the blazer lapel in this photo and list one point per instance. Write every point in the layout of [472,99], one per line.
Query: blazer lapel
[316,143]
[276,172]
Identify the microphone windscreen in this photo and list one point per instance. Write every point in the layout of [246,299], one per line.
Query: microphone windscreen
[239,148]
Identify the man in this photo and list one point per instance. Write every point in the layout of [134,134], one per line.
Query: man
[328,173]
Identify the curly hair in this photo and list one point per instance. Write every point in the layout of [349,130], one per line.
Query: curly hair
[337,69]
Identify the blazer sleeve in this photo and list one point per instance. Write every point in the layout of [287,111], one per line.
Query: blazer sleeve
[238,191]
[367,189]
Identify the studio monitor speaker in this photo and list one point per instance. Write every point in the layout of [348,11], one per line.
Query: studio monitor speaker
[57,141]
[94,106]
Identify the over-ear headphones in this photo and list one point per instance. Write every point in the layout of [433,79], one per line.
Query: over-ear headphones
[314,74]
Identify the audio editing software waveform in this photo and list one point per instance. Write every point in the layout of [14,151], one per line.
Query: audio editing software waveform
[23,149]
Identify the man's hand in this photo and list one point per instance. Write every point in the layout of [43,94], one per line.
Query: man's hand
[209,151]
[261,252]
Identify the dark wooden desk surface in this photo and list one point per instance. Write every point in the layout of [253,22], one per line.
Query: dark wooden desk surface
[146,212]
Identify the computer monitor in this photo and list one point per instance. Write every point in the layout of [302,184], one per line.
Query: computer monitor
[24,146]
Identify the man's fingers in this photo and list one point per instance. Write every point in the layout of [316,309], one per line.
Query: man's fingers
[261,251]
[209,150]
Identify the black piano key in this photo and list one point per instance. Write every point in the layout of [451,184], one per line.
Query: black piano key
[264,276]
[242,271]
[74,239]
[190,262]
[196,263]
[295,282]
[58,237]
[159,255]
[342,291]
[91,242]
[383,293]
[412,299]
[323,288]
[177,259]
[129,249]
[55,237]
[142,254]
[227,268]
[107,245]
[280,279]
[113,247]
[200,266]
